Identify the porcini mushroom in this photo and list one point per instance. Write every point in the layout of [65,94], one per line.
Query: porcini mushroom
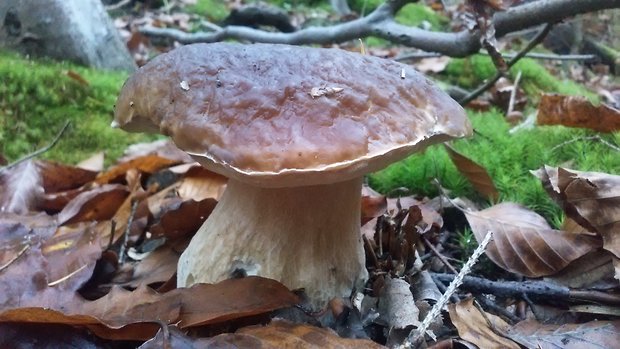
[294,129]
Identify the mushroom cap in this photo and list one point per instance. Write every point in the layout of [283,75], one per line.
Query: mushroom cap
[280,116]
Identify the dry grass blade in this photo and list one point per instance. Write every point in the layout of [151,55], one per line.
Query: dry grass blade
[476,174]
[524,243]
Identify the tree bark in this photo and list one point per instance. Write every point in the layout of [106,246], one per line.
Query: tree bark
[75,30]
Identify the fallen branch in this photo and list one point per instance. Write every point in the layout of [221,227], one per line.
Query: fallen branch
[540,290]
[490,82]
[381,23]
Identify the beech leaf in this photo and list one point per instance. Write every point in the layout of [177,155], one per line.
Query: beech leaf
[524,243]
[593,334]
[476,174]
[576,111]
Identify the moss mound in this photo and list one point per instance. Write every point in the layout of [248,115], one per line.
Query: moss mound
[508,158]
[38,97]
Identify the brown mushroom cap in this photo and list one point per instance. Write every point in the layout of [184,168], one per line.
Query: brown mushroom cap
[278,115]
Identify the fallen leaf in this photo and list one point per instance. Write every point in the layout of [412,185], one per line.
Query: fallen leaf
[136,315]
[476,174]
[145,164]
[93,163]
[185,220]
[593,334]
[592,199]
[98,204]
[373,204]
[58,177]
[77,77]
[576,111]
[524,243]
[283,334]
[397,307]
[473,327]
[164,148]
[21,188]
[199,184]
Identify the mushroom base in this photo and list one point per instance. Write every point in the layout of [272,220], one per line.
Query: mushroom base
[305,237]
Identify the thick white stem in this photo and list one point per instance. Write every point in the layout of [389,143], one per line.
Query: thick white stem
[305,237]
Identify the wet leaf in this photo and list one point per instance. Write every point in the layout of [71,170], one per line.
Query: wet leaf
[576,111]
[184,220]
[476,174]
[21,188]
[593,334]
[473,327]
[524,243]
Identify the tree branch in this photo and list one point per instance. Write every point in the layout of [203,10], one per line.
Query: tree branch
[381,23]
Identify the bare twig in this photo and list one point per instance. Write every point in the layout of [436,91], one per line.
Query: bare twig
[66,277]
[381,23]
[439,255]
[39,151]
[489,83]
[508,55]
[118,5]
[590,138]
[418,334]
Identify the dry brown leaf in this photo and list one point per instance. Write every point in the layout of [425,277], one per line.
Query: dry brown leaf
[593,334]
[98,204]
[397,306]
[524,243]
[185,220]
[592,199]
[134,315]
[77,77]
[373,204]
[199,184]
[476,174]
[164,148]
[93,163]
[473,327]
[21,188]
[145,164]
[592,268]
[58,177]
[283,334]
[576,111]
[159,266]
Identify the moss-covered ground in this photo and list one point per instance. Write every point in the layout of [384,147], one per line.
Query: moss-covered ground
[38,97]
[508,158]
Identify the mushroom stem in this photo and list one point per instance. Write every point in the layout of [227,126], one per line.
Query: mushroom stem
[305,237]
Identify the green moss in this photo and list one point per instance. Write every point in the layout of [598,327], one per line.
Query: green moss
[37,97]
[508,158]
[472,71]
[214,10]
[415,14]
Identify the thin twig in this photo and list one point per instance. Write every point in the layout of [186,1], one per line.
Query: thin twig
[418,334]
[439,255]
[117,5]
[489,83]
[121,253]
[590,138]
[39,151]
[507,55]
[54,283]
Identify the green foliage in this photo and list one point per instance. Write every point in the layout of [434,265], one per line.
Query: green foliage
[472,71]
[214,10]
[36,98]
[415,14]
[508,158]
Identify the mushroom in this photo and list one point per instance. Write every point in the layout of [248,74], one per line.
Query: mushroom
[294,129]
